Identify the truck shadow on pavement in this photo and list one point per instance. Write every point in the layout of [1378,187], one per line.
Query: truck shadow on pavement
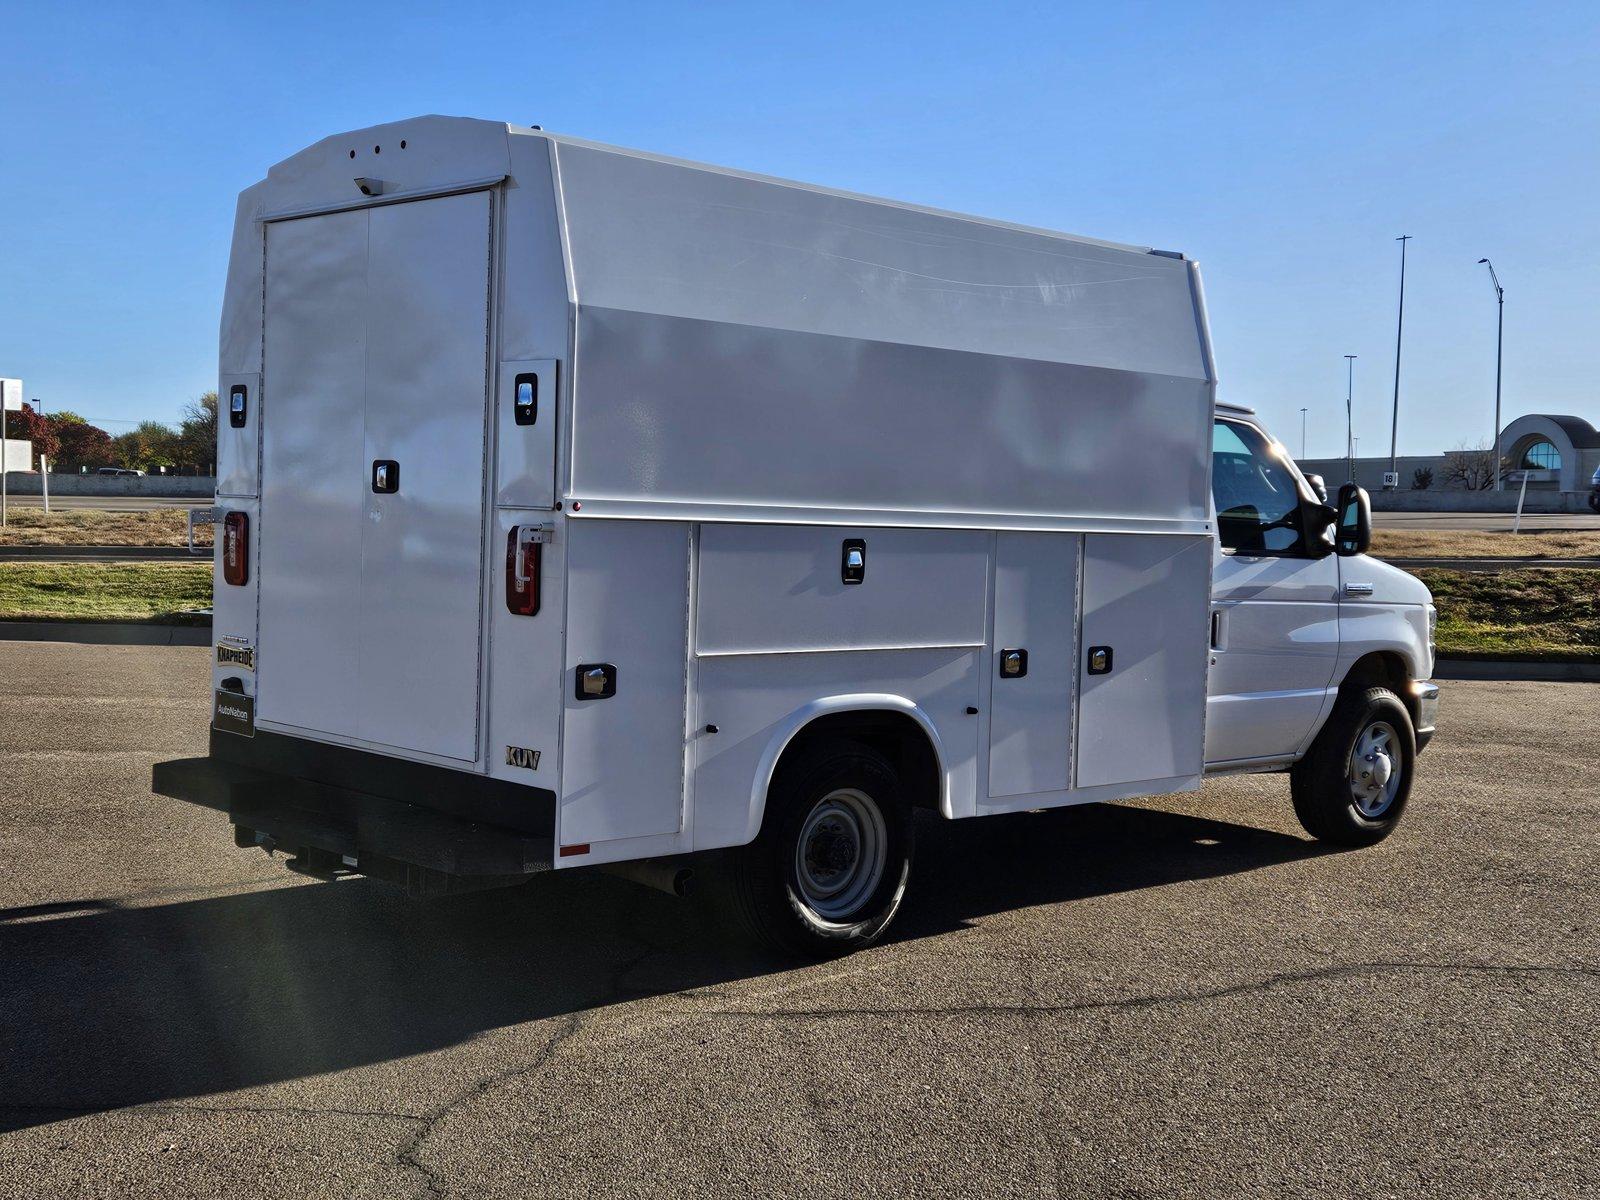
[105,1005]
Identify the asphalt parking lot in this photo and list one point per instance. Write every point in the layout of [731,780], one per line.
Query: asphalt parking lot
[1179,998]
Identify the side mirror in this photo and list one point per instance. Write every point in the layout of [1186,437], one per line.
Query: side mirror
[1353,535]
[1319,486]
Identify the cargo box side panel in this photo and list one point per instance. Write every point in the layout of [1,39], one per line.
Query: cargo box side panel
[622,754]
[1142,666]
[746,346]
[782,588]
[1031,703]
[757,702]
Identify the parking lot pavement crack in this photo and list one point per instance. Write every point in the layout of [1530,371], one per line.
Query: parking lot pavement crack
[1165,999]
[408,1155]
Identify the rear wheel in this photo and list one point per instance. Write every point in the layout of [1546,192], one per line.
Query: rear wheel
[829,870]
[1352,786]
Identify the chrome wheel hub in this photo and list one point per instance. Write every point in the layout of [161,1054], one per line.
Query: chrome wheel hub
[1374,773]
[840,855]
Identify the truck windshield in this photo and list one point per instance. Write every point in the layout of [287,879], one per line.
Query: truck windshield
[1258,504]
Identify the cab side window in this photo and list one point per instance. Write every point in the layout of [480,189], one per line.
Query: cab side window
[1258,503]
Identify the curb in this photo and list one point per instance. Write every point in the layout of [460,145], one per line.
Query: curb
[106,633]
[1533,672]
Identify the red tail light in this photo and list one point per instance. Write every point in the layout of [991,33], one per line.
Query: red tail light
[522,572]
[236,549]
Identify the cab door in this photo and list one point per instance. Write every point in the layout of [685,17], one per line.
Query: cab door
[1275,604]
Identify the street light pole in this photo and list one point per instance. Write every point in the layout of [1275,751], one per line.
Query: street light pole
[1349,418]
[1399,329]
[1302,433]
[1499,346]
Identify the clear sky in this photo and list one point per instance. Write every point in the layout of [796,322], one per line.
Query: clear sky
[1284,146]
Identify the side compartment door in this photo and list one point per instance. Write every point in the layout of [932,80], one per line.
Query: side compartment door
[622,754]
[1275,606]
[1033,674]
[1142,665]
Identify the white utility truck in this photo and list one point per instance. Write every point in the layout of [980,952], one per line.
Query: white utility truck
[585,507]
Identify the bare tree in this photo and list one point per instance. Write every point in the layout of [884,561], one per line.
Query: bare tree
[1470,467]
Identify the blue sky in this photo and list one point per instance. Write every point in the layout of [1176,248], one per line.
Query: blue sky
[1284,146]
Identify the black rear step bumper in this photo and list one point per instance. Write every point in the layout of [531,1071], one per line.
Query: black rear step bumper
[428,828]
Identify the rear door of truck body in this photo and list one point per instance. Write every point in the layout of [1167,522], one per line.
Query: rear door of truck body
[374,432]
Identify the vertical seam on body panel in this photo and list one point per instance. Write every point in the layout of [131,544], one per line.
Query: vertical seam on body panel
[486,509]
[691,710]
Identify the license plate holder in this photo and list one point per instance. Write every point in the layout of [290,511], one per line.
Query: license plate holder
[233,712]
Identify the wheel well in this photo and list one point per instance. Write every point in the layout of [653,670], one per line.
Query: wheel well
[1382,668]
[896,736]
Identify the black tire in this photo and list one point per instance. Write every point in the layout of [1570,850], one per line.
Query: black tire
[1594,501]
[767,895]
[1324,794]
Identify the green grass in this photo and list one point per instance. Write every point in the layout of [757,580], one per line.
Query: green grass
[1538,614]
[153,591]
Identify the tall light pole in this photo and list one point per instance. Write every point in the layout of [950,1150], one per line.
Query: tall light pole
[1349,418]
[1399,329]
[1499,346]
[1302,433]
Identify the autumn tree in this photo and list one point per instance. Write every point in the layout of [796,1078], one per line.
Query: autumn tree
[27,425]
[82,444]
[196,443]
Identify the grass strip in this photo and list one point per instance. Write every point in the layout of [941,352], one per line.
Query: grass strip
[95,527]
[103,591]
[1424,543]
[1539,615]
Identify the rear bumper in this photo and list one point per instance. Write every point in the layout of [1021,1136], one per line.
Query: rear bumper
[337,809]
[1426,693]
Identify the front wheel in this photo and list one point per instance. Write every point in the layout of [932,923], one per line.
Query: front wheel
[829,870]
[1352,786]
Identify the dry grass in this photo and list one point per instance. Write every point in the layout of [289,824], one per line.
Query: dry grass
[92,527]
[1405,543]
[102,591]
[1539,614]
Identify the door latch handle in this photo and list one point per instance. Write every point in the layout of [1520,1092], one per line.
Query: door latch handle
[529,535]
[1099,660]
[1358,589]
[385,476]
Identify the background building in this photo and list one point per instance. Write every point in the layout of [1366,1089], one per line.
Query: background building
[1560,454]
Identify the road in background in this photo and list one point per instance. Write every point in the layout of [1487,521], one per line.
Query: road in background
[1182,997]
[1460,522]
